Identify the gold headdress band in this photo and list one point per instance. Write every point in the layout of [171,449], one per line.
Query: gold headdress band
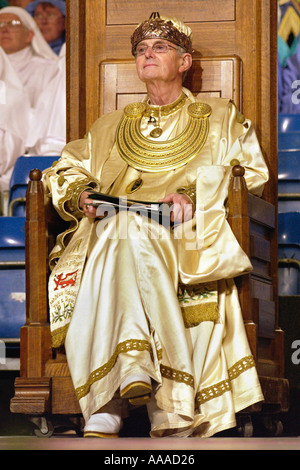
[171,29]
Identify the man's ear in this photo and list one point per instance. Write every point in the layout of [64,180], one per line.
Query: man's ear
[186,62]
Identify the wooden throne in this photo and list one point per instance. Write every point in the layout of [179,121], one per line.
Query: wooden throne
[44,390]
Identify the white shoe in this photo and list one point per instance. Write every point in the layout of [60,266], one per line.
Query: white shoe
[106,423]
[137,389]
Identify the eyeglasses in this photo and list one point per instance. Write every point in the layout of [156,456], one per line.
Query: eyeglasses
[10,25]
[159,48]
[50,17]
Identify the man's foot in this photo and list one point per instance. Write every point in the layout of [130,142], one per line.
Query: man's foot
[136,389]
[106,423]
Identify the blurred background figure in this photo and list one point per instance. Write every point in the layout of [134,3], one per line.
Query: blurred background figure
[14,120]
[28,52]
[50,18]
[49,121]
[39,73]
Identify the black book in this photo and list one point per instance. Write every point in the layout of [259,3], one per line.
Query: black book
[157,211]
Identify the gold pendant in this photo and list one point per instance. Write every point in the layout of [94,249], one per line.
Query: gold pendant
[156,132]
[134,186]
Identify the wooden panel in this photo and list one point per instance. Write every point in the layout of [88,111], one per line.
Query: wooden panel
[262,211]
[32,395]
[63,399]
[213,76]
[261,269]
[187,10]
[75,58]
[260,248]
[208,40]
[261,290]
[265,314]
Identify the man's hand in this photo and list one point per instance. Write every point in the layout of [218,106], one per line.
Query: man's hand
[86,205]
[182,207]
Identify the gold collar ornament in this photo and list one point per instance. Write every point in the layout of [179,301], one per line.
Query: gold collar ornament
[147,155]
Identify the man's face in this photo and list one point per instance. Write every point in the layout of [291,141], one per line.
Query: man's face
[14,36]
[165,66]
[50,21]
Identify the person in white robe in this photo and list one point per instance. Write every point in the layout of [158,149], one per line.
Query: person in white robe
[41,80]
[28,52]
[14,120]
[49,121]
[149,313]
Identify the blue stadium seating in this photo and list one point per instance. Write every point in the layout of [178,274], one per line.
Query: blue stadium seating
[20,178]
[289,253]
[12,277]
[288,132]
[288,123]
[289,141]
[289,181]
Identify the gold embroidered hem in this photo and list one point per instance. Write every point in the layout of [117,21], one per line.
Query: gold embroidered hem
[198,303]
[218,389]
[98,374]
[177,375]
[59,336]
[126,346]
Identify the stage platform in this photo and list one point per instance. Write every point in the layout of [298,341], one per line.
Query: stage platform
[114,448]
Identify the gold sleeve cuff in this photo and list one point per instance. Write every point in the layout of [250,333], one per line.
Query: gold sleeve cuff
[189,191]
[72,204]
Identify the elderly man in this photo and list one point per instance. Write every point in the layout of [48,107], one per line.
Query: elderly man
[50,18]
[149,312]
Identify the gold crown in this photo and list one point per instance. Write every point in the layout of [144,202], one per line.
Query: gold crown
[171,29]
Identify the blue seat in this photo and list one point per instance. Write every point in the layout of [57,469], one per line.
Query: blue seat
[289,181]
[12,277]
[289,141]
[288,123]
[19,180]
[289,253]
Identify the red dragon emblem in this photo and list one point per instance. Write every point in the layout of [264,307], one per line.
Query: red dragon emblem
[63,280]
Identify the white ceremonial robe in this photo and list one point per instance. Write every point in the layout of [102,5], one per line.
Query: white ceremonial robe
[14,119]
[35,72]
[25,75]
[48,134]
[114,290]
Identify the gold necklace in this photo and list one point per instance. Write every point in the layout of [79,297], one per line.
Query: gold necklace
[154,111]
[151,156]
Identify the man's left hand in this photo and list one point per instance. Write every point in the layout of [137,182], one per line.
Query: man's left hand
[182,207]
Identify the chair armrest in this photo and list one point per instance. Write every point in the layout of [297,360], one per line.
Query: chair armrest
[238,207]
